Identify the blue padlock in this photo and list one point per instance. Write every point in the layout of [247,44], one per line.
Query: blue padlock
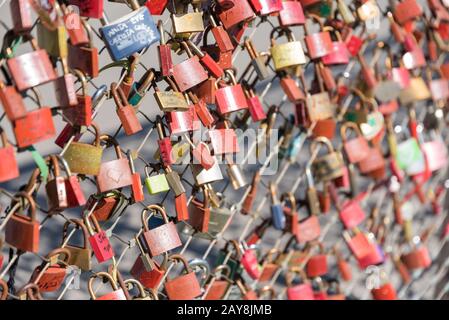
[277,212]
[295,146]
[130,34]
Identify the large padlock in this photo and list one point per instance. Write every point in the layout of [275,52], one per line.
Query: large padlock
[23,232]
[318,44]
[160,239]
[291,14]
[189,73]
[79,256]
[130,34]
[240,12]
[65,88]
[180,122]
[21,15]
[188,22]
[116,294]
[50,278]
[35,127]
[286,55]
[85,158]
[30,69]
[114,174]
[172,100]
[125,112]
[185,286]
[9,168]
[328,166]
[230,98]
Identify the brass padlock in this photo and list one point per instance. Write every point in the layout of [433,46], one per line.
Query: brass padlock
[328,166]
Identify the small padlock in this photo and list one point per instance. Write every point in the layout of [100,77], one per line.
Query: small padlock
[98,240]
[79,256]
[157,183]
[199,212]
[9,169]
[230,98]
[125,111]
[286,55]
[185,286]
[50,278]
[116,294]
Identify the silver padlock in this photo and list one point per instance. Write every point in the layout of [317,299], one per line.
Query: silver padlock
[203,176]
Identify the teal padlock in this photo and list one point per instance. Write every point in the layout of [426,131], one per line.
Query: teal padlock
[157,183]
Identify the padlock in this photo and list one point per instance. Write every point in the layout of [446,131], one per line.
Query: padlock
[301,291]
[233,258]
[189,73]
[290,212]
[224,141]
[85,57]
[127,82]
[12,102]
[85,158]
[251,195]
[172,100]
[36,126]
[136,29]
[339,54]
[383,289]
[55,188]
[79,256]
[181,122]
[143,295]
[291,89]
[30,291]
[351,214]
[218,283]
[174,181]
[221,37]
[240,12]
[313,203]
[359,244]
[235,174]
[344,267]
[418,258]
[9,169]
[409,157]
[81,113]
[72,21]
[277,212]
[319,105]
[125,111]
[201,110]
[317,264]
[21,15]
[246,292]
[291,14]
[230,98]
[345,12]
[140,89]
[250,264]
[182,213]
[407,10]
[30,69]
[188,22]
[157,183]
[98,240]
[224,59]
[255,106]
[116,173]
[156,7]
[23,232]
[318,44]
[164,51]
[50,278]
[89,8]
[329,166]
[269,266]
[439,87]
[146,270]
[356,149]
[185,286]
[54,42]
[116,294]
[257,61]
[286,55]
[160,239]
[207,61]
[136,187]
[199,212]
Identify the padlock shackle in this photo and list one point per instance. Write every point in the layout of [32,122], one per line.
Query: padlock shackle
[101,275]
[195,49]
[111,140]
[349,125]
[179,258]
[97,134]
[133,283]
[237,251]
[321,140]
[151,208]
[222,270]
[32,203]
[31,290]
[118,95]
[79,224]
[82,77]
[60,251]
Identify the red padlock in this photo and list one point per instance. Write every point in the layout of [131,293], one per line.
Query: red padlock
[230,98]
[224,141]
[352,214]
[291,14]
[12,102]
[183,287]
[89,8]
[9,168]
[317,264]
[35,127]
[301,291]
[23,232]
[81,113]
[240,12]
[98,240]
[156,7]
[125,111]
[116,294]
[318,44]
[50,278]
[250,263]
[21,15]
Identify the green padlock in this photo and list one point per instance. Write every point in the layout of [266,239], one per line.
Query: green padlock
[410,157]
[234,260]
[157,183]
